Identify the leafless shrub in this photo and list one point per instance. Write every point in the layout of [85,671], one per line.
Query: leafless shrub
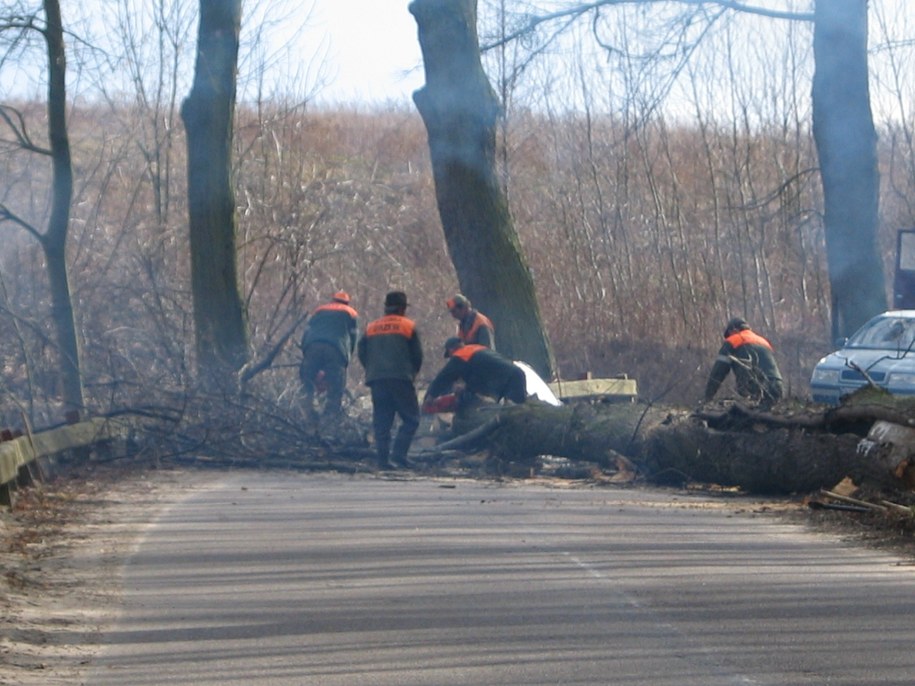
[642,241]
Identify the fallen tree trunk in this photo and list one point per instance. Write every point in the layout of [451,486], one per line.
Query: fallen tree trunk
[757,452]
[593,433]
[774,461]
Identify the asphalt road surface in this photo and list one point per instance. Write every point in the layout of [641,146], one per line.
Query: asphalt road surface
[329,580]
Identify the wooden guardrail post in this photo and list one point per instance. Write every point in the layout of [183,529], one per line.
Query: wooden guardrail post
[6,486]
[25,478]
[30,472]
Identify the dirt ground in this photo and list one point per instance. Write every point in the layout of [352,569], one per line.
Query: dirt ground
[63,547]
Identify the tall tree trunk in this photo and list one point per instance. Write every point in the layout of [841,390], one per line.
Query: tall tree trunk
[209,114]
[54,241]
[846,141]
[460,111]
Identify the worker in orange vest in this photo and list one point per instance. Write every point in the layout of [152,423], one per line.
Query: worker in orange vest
[473,326]
[391,353]
[483,371]
[327,347]
[751,358]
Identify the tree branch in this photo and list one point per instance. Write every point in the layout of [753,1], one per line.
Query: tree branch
[253,368]
[8,215]
[750,9]
[16,123]
[578,10]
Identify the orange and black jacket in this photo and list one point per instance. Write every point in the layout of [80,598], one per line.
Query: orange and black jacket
[483,371]
[390,349]
[475,327]
[335,324]
[752,360]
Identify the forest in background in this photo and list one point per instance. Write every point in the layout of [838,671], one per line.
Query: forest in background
[642,243]
[646,227]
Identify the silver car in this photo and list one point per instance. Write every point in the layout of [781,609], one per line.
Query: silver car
[882,351]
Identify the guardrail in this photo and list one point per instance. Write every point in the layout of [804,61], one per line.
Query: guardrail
[19,457]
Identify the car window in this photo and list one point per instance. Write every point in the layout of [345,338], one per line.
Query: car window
[890,333]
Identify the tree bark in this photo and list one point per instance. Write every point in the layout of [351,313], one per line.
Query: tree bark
[208,114]
[54,241]
[460,111]
[846,142]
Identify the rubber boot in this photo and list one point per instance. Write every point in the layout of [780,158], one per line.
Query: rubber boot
[401,446]
[383,451]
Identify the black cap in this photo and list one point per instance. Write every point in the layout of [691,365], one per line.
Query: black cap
[452,344]
[395,299]
[734,325]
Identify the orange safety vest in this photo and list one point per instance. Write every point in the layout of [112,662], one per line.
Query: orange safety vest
[479,320]
[747,337]
[336,307]
[391,324]
[468,351]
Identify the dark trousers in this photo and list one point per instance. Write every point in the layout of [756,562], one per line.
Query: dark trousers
[757,387]
[323,357]
[515,388]
[394,398]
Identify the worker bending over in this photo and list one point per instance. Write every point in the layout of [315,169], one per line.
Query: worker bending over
[483,371]
[327,346]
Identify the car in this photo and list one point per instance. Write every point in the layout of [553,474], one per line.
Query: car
[882,351]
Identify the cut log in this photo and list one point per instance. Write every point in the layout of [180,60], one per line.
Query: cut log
[893,446]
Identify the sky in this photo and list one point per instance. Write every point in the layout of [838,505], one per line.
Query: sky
[368,49]
[372,50]
[373,55]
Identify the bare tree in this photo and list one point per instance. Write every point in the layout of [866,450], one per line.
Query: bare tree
[54,240]
[894,54]
[209,114]
[843,127]
[461,111]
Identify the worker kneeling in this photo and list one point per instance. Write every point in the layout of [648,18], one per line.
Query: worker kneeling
[483,371]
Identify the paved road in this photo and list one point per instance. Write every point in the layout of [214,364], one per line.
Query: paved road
[332,580]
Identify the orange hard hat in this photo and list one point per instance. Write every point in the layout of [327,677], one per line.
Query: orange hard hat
[342,296]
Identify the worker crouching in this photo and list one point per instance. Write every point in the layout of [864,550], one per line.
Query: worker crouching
[751,358]
[483,372]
